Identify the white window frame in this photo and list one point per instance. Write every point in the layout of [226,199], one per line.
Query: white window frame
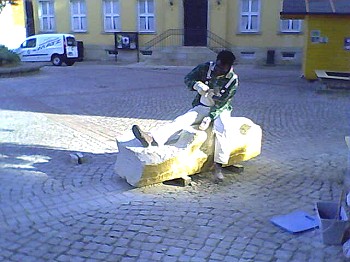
[80,16]
[147,15]
[293,26]
[114,17]
[249,14]
[47,21]
[287,55]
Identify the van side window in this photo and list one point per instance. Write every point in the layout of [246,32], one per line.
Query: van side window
[29,43]
[71,41]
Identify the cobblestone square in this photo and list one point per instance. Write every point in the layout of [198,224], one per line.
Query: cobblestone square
[52,209]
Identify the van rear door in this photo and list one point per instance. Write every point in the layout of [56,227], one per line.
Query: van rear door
[71,47]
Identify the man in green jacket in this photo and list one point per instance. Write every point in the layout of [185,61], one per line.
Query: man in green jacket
[215,84]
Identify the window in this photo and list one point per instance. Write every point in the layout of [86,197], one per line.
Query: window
[46,16]
[250,16]
[291,26]
[78,13]
[71,41]
[111,15]
[146,16]
[29,43]
[248,54]
[288,55]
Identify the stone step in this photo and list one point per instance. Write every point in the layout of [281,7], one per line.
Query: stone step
[185,55]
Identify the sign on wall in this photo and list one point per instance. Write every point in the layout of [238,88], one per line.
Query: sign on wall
[126,40]
[316,37]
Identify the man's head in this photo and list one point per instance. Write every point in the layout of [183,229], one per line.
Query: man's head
[224,61]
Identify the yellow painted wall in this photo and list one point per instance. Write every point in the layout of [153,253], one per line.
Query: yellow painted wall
[326,56]
[12,25]
[18,11]
[223,21]
[217,19]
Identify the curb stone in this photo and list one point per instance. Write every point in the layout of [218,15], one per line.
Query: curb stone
[22,69]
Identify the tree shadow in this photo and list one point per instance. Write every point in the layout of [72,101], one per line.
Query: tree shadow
[31,170]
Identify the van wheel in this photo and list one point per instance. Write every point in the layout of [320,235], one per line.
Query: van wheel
[69,63]
[56,60]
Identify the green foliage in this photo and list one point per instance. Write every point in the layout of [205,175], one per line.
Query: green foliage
[7,57]
[3,3]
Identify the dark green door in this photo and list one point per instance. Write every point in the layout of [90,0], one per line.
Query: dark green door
[195,22]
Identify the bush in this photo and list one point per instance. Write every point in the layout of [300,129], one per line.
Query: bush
[7,57]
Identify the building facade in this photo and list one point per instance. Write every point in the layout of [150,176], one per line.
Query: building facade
[252,29]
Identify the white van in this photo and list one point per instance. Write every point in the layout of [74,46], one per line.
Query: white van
[56,48]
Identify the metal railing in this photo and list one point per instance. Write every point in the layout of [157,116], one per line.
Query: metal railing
[171,37]
[175,38]
[215,42]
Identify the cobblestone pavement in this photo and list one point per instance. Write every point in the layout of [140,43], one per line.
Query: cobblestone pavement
[54,210]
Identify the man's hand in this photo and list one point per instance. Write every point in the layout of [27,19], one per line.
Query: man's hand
[200,87]
[206,99]
[205,123]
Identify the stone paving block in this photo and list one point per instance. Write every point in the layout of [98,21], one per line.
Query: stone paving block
[119,251]
[184,258]
[63,258]
[202,254]
[157,256]
[99,255]
[198,259]
[136,244]
[235,252]
[174,251]
[221,250]
[190,252]
[154,239]
[140,237]
[264,257]
[128,259]
[216,256]
[149,246]
[212,242]
[106,248]
[283,254]
[143,259]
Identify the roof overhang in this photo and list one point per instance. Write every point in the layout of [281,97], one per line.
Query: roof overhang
[298,9]
[292,15]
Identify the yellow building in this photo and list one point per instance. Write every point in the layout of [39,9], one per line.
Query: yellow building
[327,33]
[252,29]
[12,25]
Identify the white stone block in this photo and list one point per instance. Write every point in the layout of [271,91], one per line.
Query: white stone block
[192,152]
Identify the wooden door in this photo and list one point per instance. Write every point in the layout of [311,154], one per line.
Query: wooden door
[195,22]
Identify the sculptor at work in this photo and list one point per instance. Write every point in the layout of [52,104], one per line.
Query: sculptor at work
[215,84]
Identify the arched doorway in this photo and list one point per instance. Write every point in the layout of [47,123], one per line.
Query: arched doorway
[195,22]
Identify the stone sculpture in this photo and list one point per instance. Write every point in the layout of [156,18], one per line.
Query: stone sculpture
[188,153]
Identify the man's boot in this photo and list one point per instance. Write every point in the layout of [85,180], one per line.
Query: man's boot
[145,138]
[218,172]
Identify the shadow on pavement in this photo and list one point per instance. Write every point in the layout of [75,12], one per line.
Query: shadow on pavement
[33,170]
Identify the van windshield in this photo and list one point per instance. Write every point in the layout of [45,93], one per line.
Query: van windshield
[71,41]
